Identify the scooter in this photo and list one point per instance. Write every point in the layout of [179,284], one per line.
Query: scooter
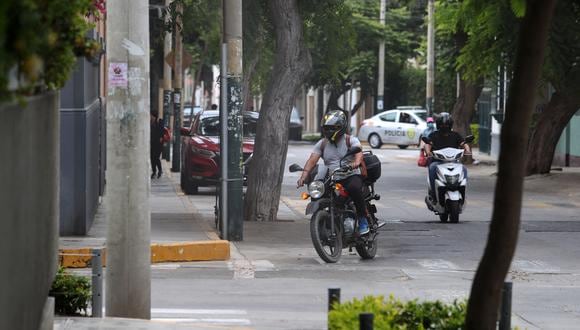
[448,201]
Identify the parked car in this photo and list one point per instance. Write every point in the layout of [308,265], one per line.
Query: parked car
[402,126]
[188,113]
[295,125]
[200,149]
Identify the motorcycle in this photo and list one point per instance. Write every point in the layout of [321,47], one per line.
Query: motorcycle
[334,222]
[450,183]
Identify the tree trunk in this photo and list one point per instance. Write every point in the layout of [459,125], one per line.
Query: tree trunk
[485,294]
[291,67]
[247,80]
[551,124]
[465,105]
[360,102]
[332,103]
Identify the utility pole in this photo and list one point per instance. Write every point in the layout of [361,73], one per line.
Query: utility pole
[128,280]
[177,85]
[381,86]
[430,58]
[232,144]
[166,85]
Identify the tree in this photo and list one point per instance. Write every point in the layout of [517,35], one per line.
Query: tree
[562,70]
[484,299]
[291,67]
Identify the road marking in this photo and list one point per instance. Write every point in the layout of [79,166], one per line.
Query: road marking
[437,264]
[186,311]
[534,266]
[211,321]
[536,205]
[416,203]
[166,266]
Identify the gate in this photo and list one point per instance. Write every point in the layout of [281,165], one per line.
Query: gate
[484,110]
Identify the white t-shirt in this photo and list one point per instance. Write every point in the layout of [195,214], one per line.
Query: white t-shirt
[333,154]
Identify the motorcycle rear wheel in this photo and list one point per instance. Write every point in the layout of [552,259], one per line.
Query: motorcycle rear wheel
[443,217]
[328,245]
[367,250]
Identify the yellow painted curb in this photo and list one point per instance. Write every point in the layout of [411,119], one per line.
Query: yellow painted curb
[160,252]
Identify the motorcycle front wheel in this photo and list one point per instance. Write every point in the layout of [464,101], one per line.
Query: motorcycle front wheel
[327,244]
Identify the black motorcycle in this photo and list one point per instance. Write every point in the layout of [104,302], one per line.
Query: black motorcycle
[334,223]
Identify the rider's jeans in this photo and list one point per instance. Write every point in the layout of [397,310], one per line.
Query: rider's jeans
[354,185]
[433,173]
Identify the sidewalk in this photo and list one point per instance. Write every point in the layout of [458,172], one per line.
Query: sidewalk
[178,229]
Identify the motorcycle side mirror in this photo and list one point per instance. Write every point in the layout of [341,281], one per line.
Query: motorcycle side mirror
[295,168]
[426,139]
[352,151]
[469,139]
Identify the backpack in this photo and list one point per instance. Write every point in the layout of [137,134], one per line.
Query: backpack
[363,166]
[166,135]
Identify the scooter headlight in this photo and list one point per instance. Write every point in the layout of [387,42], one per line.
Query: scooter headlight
[316,189]
[452,180]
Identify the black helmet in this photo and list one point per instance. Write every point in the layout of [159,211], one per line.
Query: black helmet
[334,125]
[444,122]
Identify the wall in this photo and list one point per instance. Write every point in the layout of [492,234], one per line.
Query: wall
[82,151]
[568,150]
[29,192]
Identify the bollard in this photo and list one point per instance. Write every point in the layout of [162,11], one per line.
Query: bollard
[366,321]
[333,297]
[97,283]
[505,316]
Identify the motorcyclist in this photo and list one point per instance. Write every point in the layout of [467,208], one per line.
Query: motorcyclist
[443,137]
[332,149]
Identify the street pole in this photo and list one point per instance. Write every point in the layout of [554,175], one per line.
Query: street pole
[233,38]
[128,277]
[381,86]
[166,85]
[177,86]
[430,58]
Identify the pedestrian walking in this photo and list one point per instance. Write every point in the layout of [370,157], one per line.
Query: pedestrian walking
[157,130]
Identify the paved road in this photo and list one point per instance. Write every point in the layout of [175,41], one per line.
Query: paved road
[276,281]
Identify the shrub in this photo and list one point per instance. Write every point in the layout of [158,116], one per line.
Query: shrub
[39,43]
[475,133]
[396,314]
[71,293]
[311,137]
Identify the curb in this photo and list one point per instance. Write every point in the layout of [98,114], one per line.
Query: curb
[160,252]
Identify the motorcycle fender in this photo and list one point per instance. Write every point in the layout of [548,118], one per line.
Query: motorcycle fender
[453,195]
[316,205]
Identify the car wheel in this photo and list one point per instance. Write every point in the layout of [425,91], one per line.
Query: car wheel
[375,141]
[402,146]
[186,185]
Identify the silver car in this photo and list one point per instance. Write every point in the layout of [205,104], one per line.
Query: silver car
[402,126]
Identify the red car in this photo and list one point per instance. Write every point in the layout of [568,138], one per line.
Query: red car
[200,149]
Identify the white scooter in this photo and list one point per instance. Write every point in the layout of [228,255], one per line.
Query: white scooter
[450,184]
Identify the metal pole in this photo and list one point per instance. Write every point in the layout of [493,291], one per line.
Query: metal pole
[333,297]
[366,321]
[128,280]
[224,145]
[166,87]
[177,84]
[505,317]
[233,38]
[430,58]
[381,85]
[97,283]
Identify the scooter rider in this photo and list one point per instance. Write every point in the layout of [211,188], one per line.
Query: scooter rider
[443,137]
[332,148]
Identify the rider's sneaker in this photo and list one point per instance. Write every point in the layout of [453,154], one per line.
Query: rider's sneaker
[363,226]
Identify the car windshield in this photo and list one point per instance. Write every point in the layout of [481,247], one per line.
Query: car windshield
[422,115]
[210,126]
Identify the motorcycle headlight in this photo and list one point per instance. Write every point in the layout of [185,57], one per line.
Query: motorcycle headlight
[452,180]
[316,189]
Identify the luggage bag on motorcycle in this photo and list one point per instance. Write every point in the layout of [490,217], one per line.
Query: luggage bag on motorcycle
[373,165]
